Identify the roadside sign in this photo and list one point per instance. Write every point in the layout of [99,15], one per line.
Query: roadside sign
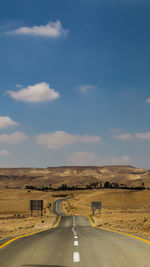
[36,205]
[96,206]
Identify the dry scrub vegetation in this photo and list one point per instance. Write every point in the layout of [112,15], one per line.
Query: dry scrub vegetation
[123,210]
[126,211]
[15,218]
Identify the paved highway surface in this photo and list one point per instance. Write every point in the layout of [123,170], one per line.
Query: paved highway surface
[74,242]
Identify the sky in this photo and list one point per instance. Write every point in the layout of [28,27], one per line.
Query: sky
[74,83]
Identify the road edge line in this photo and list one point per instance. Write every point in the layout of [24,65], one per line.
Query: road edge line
[122,233]
[91,221]
[18,237]
[56,224]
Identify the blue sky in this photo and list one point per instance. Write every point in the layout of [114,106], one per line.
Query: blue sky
[74,82]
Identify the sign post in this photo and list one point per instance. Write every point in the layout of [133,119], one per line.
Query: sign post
[96,206]
[36,205]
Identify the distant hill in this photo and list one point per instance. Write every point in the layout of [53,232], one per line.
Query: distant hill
[75,175]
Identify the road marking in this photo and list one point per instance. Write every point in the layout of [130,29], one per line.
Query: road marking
[57,222]
[76,243]
[114,231]
[141,239]
[74,232]
[18,237]
[74,226]
[91,222]
[76,257]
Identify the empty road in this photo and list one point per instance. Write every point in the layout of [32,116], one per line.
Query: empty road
[74,242]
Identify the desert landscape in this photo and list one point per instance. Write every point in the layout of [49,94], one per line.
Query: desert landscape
[123,210]
[15,215]
[72,176]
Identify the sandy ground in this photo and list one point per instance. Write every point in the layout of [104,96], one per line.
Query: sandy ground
[122,210]
[126,211]
[15,217]
[12,227]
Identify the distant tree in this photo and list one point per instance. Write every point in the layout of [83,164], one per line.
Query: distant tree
[88,186]
[107,185]
[100,185]
[63,187]
[50,186]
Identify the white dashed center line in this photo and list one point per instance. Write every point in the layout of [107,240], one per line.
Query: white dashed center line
[75,243]
[76,257]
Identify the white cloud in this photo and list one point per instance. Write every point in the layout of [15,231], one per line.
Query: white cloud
[82,158]
[14,138]
[115,160]
[86,87]
[123,137]
[58,140]
[123,159]
[6,122]
[86,158]
[144,136]
[39,92]
[52,30]
[148,100]
[128,136]
[4,153]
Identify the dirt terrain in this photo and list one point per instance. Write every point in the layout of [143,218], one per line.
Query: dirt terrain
[122,210]
[15,217]
[72,176]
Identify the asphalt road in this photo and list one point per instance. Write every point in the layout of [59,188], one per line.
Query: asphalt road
[74,242]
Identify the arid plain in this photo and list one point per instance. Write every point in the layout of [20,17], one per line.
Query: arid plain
[123,210]
[15,216]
